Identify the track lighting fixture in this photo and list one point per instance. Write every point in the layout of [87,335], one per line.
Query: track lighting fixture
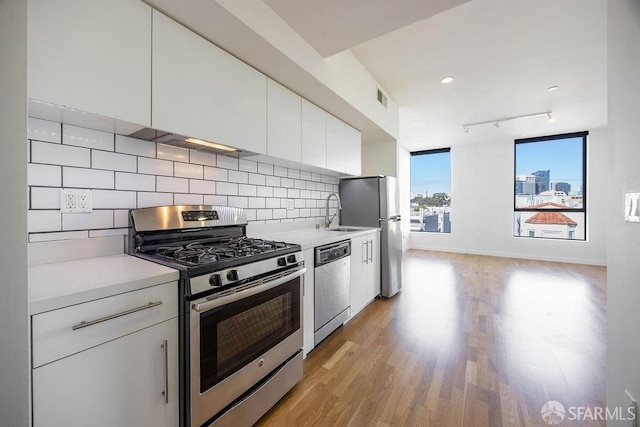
[497,122]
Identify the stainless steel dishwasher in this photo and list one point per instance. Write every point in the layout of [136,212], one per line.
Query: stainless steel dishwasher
[332,287]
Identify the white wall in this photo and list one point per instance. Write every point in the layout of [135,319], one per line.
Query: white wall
[14,320]
[482,207]
[404,177]
[623,290]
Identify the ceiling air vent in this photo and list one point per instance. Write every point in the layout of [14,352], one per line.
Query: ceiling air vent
[382,99]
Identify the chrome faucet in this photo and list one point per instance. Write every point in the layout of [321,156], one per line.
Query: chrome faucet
[327,221]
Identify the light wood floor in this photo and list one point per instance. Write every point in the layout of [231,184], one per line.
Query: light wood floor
[470,341]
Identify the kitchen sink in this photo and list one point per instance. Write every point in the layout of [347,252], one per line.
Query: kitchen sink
[345,229]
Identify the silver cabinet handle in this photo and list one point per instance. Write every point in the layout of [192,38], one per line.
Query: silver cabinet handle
[371,253]
[84,324]
[366,252]
[165,392]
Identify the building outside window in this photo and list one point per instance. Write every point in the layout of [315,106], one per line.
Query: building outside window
[431,191]
[550,187]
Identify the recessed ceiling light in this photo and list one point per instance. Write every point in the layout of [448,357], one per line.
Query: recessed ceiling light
[552,88]
[446,80]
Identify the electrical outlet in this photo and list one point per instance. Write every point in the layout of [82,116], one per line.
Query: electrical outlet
[631,407]
[290,205]
[75,200]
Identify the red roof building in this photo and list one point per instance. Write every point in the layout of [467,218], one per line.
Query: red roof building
[555,218]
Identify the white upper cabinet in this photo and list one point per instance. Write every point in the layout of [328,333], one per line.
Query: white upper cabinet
[92,55]
[201,91]
[314,135]
[353,153]
[336,134]
[283,122]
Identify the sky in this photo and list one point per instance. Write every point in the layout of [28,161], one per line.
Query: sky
[563,158]
[431,173]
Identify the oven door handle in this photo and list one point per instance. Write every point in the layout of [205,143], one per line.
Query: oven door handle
[205,304]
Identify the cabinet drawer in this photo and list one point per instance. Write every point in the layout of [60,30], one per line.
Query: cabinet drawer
[59,333]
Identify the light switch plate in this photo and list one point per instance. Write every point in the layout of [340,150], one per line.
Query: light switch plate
[632,207]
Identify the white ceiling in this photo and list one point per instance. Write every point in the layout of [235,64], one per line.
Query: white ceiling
[503,54]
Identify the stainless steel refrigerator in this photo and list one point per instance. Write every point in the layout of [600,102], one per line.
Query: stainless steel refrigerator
[374,202]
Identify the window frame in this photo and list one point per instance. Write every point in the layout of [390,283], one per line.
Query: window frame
[435,151]
[583,209]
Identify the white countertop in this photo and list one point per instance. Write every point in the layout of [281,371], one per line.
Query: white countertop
[310,237]
[60,284]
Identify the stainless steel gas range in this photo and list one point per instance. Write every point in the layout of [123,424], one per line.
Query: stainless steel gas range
[241,310]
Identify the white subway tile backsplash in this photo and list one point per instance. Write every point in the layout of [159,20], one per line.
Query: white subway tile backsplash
[305,194]
[317,212]
[279,192]
[251,214]
[185,170]
[62,235]
[294,213]
[305,175]
[300,203]
[311,203]
[262,214]
[57,154]
[300,184]
[137,147]
[305,213]
[271,203]
[172,185]
[279,213]
[238,202]
[257,202]
[132,181]
[199,186]
[248,166]
[316,177]
[155,166]
[247,190]
[283,203]
[227,188]
[44,175]
[264,191]
[215,174]
[109,232]
[257,179]
[316,195]
[38,221]
[200,157]
[87,178]
[272,181]
[188,199]
[169,152]
[146,200]
[280,171]
[293,193]
[215,200]
[265,169]
[121,218]
[227,162]
[44,130]
[110,199]
[113,161]
[88,138]
[45,198]
[310,185]
[87,221]
[238,177]
[287,182]
[293,173]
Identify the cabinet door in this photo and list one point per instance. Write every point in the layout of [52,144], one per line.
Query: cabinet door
[359,270]
[92,55]
[119,383]
[201,91]
[373,284]
[308,301]
[283,122]
[336,134]
[353,162]
[314,135]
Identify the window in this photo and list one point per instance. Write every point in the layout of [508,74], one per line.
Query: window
[431,191]
[550,197]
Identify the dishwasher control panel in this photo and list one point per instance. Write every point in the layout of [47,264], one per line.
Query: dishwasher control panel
[334,251]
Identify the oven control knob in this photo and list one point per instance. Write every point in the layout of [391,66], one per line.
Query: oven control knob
[232,275]
[215,280]
[282,262]
[291,258]
[261,362]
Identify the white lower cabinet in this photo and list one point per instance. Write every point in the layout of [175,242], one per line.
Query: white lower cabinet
[365,270]
[128,381]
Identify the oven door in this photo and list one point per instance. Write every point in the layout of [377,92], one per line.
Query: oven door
[238,339]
